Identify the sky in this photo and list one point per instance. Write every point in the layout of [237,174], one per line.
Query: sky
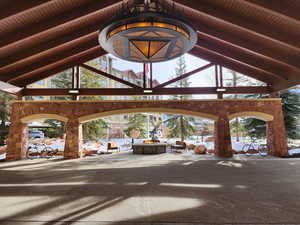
[163,71]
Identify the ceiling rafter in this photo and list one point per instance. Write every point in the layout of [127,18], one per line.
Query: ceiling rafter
[242,55]
[243,39]
[207,8]
[13,7]
[50,56]
[279,7]
[260,51]
[232,64]
[57,67]
[45,21]
[54,37]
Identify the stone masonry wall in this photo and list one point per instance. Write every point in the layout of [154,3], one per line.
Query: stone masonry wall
[75,111]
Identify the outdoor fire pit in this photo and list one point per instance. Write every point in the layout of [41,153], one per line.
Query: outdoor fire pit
[155,148]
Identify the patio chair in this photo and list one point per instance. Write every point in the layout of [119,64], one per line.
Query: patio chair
[112,146]
[179,145]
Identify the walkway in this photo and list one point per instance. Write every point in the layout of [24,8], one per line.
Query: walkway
[150,190]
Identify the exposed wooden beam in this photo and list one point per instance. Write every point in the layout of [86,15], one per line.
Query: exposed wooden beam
[229,17]
[48,57]
[292,82]
[107,75]
[233,65]
[10,8]
[279,6]
[66,11]
[242,38]
[139,91]
[54,37]
[57,67]
[183,76]
[242,55]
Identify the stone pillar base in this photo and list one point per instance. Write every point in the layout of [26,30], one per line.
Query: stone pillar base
[17,145]
[222,138]
[276,138]
[73,140]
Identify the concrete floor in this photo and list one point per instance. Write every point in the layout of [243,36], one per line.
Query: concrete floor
[150,189]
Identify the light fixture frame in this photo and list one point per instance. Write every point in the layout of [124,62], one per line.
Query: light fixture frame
[185,32]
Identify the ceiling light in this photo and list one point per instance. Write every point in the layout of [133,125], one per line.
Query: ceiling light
[73,91]
[148,91]
[148,32]
[221,89]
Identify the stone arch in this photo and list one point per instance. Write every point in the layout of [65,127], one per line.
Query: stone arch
[28,119]
[254,114]
[90,117]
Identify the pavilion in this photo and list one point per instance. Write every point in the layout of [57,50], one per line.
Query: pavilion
[257,38]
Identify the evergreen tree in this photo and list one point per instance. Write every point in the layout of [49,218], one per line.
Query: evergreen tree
[179,70]
[4,115]
[62,80]
[179,125]
[56,129]
[88,79]
[255,128]
[291,113]
[136,122]
[234,81]
[94,129]
[154,131]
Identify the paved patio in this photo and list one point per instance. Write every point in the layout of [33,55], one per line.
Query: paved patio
[150,189]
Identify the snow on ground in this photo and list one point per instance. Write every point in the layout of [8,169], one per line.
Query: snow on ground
[40,145]
[294,151]
[3,156]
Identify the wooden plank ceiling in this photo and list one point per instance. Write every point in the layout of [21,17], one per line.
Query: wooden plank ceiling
[258,38]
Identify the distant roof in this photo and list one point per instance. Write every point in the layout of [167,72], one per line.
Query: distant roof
[258,38]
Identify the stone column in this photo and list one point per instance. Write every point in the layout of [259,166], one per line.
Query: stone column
[73,140]
[222,137]
[17,143]
[276,137]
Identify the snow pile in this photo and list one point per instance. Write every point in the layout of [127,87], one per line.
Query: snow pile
[295,151]
[3,156]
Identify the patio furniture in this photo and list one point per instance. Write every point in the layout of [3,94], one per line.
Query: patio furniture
[155,148]
[179,145]
[200,149]
[112,146]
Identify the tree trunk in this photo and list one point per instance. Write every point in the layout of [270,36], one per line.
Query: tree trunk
[181,128]
[237,122]
[2,133]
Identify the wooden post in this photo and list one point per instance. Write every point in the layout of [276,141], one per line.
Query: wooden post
[216,76]
[151,78]
[221,76]
[144,77]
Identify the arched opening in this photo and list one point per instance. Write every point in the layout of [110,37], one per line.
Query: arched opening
[155,125]
[249,133]
[45,136]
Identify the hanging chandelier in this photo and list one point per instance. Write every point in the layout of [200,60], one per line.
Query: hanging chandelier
[148,32]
